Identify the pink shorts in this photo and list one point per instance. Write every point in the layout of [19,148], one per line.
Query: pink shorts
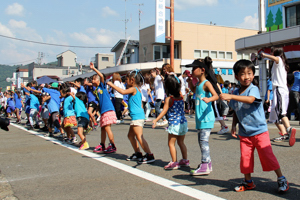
[108,118]
[263,145]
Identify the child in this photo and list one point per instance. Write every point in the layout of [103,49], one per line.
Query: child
[69,116]
[135,134]
[82,117]
[34,107]
[225,108]
[178,127]
[204,114]
[10,104]
[281,96]
[253,130]
[92,102]
[107,111]
[19,105]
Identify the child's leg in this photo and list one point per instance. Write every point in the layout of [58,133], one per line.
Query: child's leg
[103,135]
[109,134]
[138,131]
[171,142]
[31,116]
[183,149]
[90,112]
[18,114]
[203,138]
[80,134]
[131,136]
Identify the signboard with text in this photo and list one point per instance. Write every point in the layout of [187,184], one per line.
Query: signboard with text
[160,21]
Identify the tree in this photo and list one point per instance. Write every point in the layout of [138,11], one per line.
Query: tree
[270,20]
[278,18]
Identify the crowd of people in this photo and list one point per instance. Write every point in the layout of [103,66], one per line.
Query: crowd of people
[97,102]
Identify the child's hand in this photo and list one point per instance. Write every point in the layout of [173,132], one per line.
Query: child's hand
[92,66]
[153,123]
[205,99]
[225,96]
[109,83]
[233,132]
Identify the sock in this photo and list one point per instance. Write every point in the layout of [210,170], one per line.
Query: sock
[248,181]
[288,129]
[113,145]
[281,177]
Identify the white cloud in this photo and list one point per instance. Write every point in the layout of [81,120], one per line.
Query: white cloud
[250,22]
[184,4]
[17,24]
[107,11]
[15,9]
[82,38]
[5,31]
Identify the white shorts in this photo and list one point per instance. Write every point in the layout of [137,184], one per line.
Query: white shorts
[139,122]
[279,105]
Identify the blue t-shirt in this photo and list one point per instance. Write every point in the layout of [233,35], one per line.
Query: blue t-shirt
[34,102]
[135,106]
[81,89]
[296,85]
[251,117]
[225,90]
[54,102]
[69,107]
[269,87]
[26,96]
[18,101]
[10,102]
[105,103]
[80,109]
[90,95]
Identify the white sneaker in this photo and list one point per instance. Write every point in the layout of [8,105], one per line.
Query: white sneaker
[223,131]
[122,121]
[118,121]
[98,119]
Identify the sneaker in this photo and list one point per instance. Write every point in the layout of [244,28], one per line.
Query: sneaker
[281,138]
[244,186]
[135,157]
[36,126]
[172,165]
[223,130]
[210,166]
[292,138]
[99,149]
[202,169]
[88,130]
[122,121]
[110,149]
[61,135]
[283,184]
[98,119]
[74,140]
[84,146]
[147,158]
[184,163]
[118,122]
[48,134]
[30,128]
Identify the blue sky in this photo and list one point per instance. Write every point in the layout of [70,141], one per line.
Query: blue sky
[100,23]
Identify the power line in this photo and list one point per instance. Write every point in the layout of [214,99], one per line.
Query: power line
[60,45]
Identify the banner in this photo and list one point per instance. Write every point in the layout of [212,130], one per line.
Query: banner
[160,21]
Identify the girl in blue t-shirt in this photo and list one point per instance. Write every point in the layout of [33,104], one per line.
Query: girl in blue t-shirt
[204,114]
[134,81]
[107,111]
[178,127]
[18,105]
[92,101]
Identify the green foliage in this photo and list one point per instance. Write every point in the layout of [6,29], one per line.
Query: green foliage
[6,71]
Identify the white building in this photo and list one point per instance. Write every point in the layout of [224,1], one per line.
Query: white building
[66,59]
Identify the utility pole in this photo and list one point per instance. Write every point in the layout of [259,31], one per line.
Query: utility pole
[140,12]
[171,37]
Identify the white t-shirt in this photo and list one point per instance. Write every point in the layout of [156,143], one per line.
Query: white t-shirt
[183,85]
[73,90]
[279,75]
[144,91]
[159,88]
[116,93]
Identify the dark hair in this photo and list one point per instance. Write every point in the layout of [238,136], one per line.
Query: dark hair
[210,74]
[278,51]
[82,96]
[138,77]
[34,83]
[172,85]
[65,90]
[255,82]
[28,85]
[226,83]
[147,78]
[18,93]
[80,80]
[123,78]
[242,64]
[208,62]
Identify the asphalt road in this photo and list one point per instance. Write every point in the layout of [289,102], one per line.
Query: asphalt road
[34,167]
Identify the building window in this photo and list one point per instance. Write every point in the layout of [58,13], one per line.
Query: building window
[230,71]
[223,71]
[213,54]
[292,15]
[163,51]
[205,53]
[65,72]
[239,56]
[105,59]
[246,56]
[156,52]
[229,55]
[197,53]
[221,54]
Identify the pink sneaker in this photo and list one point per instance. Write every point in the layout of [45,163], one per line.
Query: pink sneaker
[172,165]
[184,163]
[98,149]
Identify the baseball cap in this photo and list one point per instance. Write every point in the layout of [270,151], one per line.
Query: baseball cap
[187,72]
[197,64]
[54,85]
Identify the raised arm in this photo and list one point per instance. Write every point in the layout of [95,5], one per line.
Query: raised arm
[130,90]
[92,67]
[274,58]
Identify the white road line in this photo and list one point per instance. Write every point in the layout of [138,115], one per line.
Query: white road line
[189,191]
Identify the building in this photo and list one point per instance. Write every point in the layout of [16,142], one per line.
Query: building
[103,61]
[22,76]
[279,26]
[66,59]
[130,54]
